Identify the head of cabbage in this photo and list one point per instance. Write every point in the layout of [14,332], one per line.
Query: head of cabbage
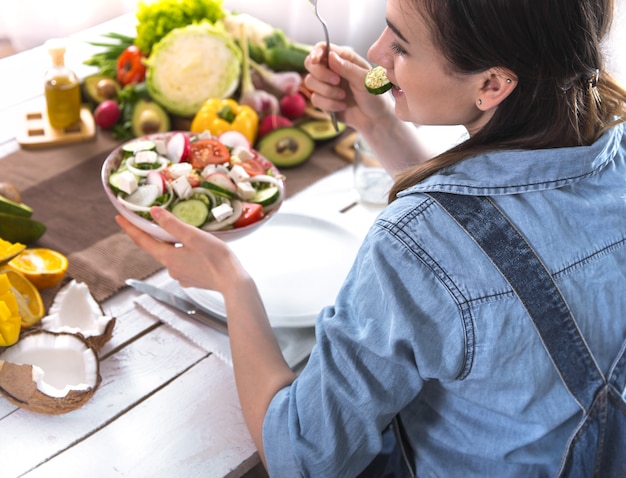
[192,64]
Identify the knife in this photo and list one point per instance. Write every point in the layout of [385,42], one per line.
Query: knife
[179,303]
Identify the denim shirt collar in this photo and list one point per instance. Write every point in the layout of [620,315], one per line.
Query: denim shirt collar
[519,171]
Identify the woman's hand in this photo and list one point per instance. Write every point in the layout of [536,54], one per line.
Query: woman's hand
[199,260]
[202,260]
[340,87]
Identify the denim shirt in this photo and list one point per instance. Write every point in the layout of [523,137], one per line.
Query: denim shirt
[426,326]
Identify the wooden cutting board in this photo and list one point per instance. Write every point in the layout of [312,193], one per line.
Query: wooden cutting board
[35,131]
[345,147]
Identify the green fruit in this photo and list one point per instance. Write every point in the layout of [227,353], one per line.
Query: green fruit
[98,88]
[322,130]
[15,209]
[286,147]
[149,118]
[20,229]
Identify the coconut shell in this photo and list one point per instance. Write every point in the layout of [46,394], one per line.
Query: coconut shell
[19,388]
[98,341]
[54,323]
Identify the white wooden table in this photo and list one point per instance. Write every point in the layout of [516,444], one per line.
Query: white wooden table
[166,407]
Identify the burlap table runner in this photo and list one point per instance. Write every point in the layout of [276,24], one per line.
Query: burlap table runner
[63,187]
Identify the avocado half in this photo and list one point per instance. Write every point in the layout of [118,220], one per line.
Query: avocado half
[149,118]
[98,88]
[286,147]
[322,130]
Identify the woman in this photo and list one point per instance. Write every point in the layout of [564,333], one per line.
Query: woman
[425,326]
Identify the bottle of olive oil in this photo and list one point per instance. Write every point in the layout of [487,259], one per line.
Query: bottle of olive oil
[62,89]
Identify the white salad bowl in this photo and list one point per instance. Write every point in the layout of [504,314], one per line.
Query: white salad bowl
[113,161]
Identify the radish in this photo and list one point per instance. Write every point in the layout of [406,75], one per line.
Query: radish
[272,122]
[234,139]
[178,147]
[107,114]
[157,179]
[293,106]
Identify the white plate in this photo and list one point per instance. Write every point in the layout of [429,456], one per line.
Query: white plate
[298,262]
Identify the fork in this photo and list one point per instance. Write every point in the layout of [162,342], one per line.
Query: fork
[313,3]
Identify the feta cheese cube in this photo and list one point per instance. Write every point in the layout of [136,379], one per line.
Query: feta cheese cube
[161,146]
[146,157]
[242,153]
[182,187]
[245,190]
[238,174]
[222,211]
[179,169]
[127,182]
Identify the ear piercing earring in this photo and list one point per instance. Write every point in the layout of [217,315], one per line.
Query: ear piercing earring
[480,102]
[509,81]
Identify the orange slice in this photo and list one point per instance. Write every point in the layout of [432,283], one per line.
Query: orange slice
[29,300]
[45,268]
[9,250]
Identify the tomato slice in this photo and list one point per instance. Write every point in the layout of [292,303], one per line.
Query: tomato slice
[207,151]
[251,213]
[253,167]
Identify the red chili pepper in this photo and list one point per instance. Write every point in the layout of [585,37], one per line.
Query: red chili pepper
[130,66]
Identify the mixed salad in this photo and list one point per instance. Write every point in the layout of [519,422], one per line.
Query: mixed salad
[214,183]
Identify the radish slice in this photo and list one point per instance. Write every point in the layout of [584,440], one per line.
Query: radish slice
[178,148]
[222,181]
[157,179]
[136,204]
[234,139]
[144,195]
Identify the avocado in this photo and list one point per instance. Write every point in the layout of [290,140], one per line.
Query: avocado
[322,130]
[149,118]
[286,147]
[14,208]
[98,88]
[20,229]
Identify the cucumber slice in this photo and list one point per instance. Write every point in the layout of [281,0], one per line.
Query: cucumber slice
[376,81]
[123,181]
[139,145]
[191,211]
[266,196]
[221,184]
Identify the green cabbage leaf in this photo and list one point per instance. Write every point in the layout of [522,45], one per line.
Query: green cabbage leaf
[192,64]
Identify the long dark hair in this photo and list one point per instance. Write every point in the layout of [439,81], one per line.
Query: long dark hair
[564,97]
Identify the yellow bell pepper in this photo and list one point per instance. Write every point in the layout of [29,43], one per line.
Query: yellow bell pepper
[220,115]
[10,320]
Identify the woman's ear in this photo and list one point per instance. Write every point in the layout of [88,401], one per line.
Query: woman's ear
[497,84]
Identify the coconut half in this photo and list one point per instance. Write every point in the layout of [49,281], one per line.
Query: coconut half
[47,372]
[75,311]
